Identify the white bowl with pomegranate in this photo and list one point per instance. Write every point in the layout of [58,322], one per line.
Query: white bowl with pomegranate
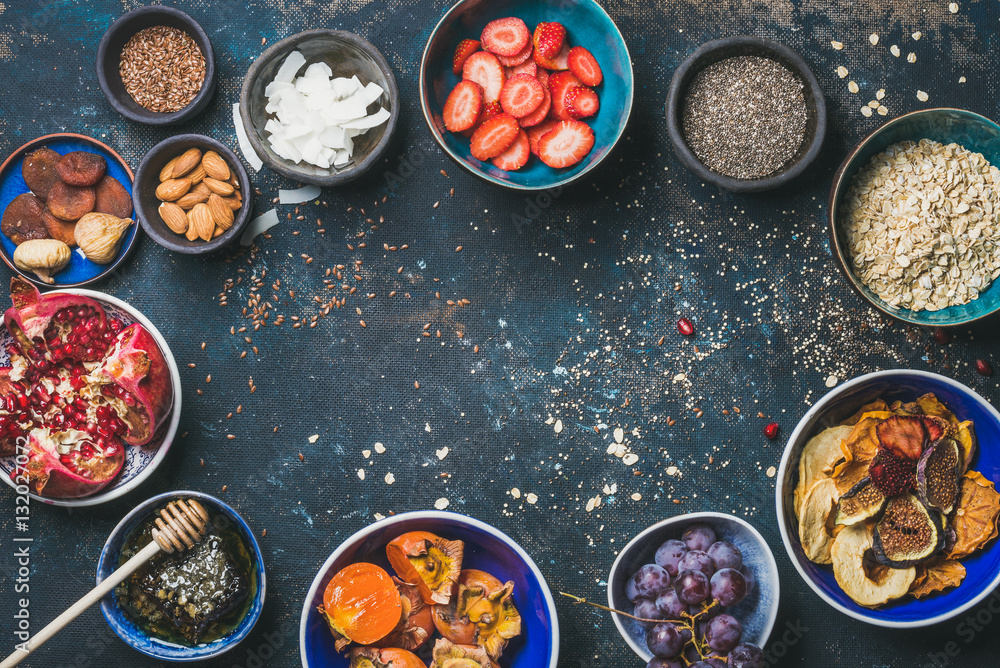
[89,396]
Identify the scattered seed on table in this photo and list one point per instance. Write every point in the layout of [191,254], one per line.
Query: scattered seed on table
[199,392]
[191,365]
[263,533]
[437,204]
[225,487]
[458,249]
[475,349]
[301,457]
[362,322]
[202,462]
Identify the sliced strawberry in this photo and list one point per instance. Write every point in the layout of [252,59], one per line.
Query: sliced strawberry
[494,137]
[522,57]
[529,68]
[549,39]
[461,110]
[466,48]
[491,110]
[538,115]
[557,63]
[560,83]
[505,37]
[581,102]
[535,133]
[542,75]
[516,156]
[904,436]
[485,70]
[566,144]
[521,95]
[583,64]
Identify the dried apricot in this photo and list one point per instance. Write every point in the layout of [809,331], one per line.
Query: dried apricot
[69,202]
[81,169]
[112,198]
[39,171]
[63,230]
[22,220]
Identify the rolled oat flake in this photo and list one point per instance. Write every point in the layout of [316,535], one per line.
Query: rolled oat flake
[745,117]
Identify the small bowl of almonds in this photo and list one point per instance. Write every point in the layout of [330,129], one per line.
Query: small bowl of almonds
[189,194]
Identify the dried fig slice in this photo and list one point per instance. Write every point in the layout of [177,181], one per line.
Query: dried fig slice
[69,202]
[39,171]
[112,198]
[23,219]
[907,533]
[81,168]
[863,501]
[857,573]
[429,561]
[904,436]
[937,475]
[63,230]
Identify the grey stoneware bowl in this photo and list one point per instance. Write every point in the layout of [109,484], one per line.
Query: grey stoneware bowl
[347,55]
[731,47]
[147,178]
[757,612]
[109,60]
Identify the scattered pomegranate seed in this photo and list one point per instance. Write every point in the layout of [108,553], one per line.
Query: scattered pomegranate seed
[941,335]
[685,327]
[771,431]
[983,368]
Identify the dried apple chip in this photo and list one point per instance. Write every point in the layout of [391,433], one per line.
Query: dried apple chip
[818,459]
[937,576]
[876,406]
[815,526]
[428,561]
[974,519]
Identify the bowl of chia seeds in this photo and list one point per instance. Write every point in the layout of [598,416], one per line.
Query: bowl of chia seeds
[746,114]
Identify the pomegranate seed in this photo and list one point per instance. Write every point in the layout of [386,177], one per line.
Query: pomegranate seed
[941,335]
[771,431]
[685,327]
[983,368]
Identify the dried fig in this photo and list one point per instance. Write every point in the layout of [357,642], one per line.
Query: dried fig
[63,230]
[112,198]
[39,171]
[99,236]
[22,220]
[81,169]
[44,257]
[69,202]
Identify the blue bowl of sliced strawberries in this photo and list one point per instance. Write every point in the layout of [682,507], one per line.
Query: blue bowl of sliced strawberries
[526,94]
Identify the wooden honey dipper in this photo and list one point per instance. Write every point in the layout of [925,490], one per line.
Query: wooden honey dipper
[179,527]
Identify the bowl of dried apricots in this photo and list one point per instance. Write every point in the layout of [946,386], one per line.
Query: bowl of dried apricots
[429,588]
[887,499]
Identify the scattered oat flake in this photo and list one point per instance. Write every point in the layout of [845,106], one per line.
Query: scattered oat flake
[953,7]
[379,516]
[873,38]
[880,95]
[389,478]
[531,498]
[771,471]
[962,79]
[671,470]
[853,87]
[916,36]
[620,451]
[379,448]
[314,438]
[366,453]
[922,96]
[361,473]
[442,503]
[842,71]
[630,458]
[558,426]
[636,496]
[516,493]
[837,45]
[619,435]
[611,448]
[894,50]
[832,381]
[882,110]
[911,57]
[442,453]
[866,112]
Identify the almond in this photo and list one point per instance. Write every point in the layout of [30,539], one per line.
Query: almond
[174,217]
[191,235]
[192,198]
[201,221]
[172,190]
[215,166]
[197,175]
[221,213]
[167,172]
[218,232]
[186,162]
[218,187]
[233,203]
[202,189]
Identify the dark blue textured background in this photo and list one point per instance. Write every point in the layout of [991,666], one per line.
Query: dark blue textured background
[569,299]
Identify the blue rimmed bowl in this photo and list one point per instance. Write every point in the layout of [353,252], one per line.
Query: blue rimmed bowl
[221,515]
[983,568]
[587,24]
[486,549]
[976,133]
[80,271]
[757,612]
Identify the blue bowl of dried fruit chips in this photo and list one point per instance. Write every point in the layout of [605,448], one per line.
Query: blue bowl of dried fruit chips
[982,567]
[965,128]
[28,215]
[486,548]
[587,25]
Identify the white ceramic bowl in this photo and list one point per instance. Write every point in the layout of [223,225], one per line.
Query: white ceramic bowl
[140,461]
[757,612]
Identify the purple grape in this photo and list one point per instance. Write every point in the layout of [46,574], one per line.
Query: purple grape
[665,640]
[698,537]
[669,554]
[691,654]
[723,633]
[657,662]
[670,605]
[696,560]
[716,662]
[729,587]
[692,587]
[630,591]
[749,577]
[647,609]
[649,581]
[701,664]
[725,555]
[746,655]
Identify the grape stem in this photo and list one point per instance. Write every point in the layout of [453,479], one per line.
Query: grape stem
[577,599]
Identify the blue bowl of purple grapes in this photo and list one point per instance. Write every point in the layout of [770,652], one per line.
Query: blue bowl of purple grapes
[704,588]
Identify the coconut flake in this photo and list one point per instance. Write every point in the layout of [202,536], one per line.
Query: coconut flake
[259,225]
[298,196]
[244,141]
[293,63]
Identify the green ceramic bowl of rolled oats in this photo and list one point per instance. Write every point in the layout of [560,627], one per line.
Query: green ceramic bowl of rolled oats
[914,217]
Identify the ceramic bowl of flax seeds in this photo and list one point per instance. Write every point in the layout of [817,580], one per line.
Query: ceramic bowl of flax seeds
[745,114]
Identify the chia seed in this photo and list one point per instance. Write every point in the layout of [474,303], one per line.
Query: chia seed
[745,117]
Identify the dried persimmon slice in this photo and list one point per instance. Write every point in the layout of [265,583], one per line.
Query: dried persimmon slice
[428,561]
[361,604]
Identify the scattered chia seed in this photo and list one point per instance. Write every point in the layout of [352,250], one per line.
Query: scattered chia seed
[745,117]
